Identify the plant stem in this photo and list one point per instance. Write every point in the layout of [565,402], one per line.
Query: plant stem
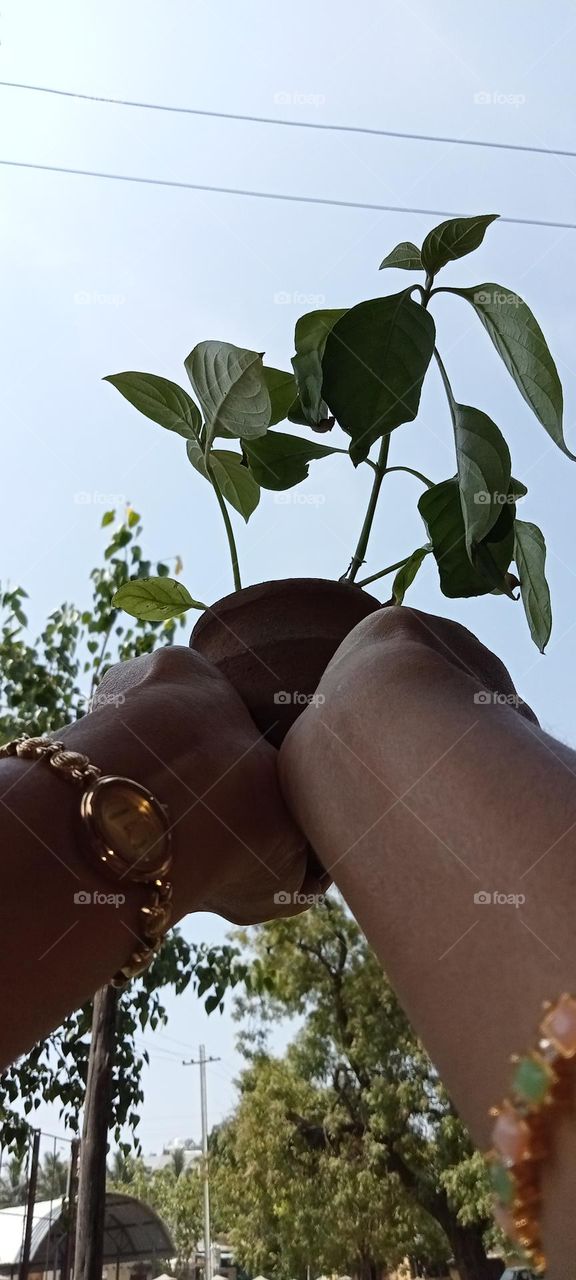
[229,531]
[382,574]
[411,472]
[447,387]
[360,553]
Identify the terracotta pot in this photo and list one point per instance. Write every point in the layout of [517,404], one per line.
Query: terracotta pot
[274,640]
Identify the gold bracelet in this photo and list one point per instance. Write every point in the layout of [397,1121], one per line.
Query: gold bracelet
[520,1136]
[128,836]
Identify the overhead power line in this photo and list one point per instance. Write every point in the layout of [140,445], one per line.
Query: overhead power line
[289,124]
[273,195]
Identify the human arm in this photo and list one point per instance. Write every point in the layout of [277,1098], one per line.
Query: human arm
[172,723]
[416,796]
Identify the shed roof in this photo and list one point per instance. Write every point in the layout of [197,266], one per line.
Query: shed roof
[132,1230]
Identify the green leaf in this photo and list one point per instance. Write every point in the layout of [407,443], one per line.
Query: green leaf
[530,557]
[154,599]
[196,457]
[282,392]
[441,511]
[484,466]
[231,387]
[454,239]
[161,400]
[107,518]
[310,340]
[298,417]
[517,489]
[520,342]
[280,461]
[374,365]
[235,482]
[406,255]
[406,575]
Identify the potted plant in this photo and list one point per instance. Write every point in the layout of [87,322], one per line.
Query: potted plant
[361,368]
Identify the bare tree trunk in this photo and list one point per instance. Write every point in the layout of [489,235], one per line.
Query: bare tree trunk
[94,1148]
[470,1255]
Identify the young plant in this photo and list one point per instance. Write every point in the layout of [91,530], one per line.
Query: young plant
[363,368]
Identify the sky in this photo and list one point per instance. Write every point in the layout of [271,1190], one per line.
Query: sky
[101,276]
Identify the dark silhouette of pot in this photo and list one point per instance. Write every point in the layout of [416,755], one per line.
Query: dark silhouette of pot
[274,640]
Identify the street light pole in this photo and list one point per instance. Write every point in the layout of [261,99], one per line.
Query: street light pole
[201,1061]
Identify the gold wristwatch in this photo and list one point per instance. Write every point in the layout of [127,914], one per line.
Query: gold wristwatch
[126,832]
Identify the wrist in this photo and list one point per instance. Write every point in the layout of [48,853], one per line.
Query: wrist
[114,741]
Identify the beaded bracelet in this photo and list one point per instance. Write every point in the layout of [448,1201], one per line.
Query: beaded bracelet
[520,1136]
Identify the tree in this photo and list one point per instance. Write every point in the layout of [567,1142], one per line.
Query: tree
[45,683]
[13,1182]
[52,1177]
[296,1200]
[177,1197]
[355,1111]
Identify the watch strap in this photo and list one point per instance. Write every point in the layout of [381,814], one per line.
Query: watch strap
[77,768]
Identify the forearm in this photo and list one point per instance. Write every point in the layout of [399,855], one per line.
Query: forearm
[172,723]
[417,798]
[58,947]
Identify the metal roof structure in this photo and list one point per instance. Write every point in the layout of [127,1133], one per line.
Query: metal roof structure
[132,1230]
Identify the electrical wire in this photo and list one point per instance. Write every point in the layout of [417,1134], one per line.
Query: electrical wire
[273,195]
[289,124]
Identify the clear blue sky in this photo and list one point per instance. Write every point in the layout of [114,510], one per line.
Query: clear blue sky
[101,276]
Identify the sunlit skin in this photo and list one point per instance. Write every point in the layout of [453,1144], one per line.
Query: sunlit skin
[414,794]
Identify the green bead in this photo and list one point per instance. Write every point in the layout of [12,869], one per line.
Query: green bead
[502,1183]
[532,1080]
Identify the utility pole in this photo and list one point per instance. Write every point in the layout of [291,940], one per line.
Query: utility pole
[91,1204]
[201,1061]
[30,1202]
[71,1198]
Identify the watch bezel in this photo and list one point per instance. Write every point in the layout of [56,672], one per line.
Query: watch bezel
[109,859]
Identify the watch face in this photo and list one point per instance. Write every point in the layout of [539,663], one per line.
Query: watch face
[129,828]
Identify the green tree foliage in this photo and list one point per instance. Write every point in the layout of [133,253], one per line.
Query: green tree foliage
[347,1153]
[175,1192]
[46,682]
